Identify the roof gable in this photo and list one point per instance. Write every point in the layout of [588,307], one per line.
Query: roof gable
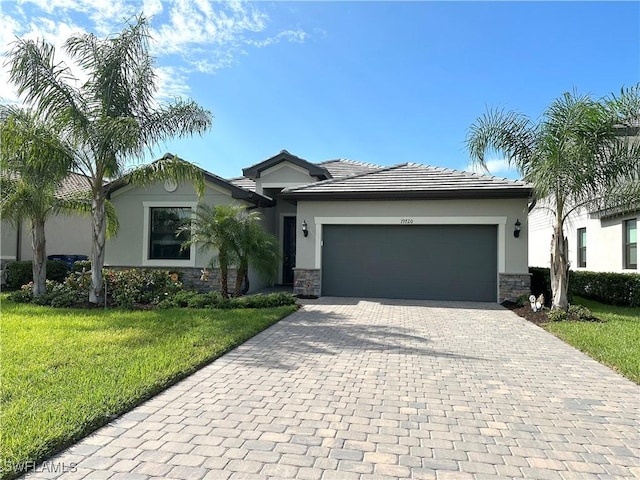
[314,170]
[411,180]
[237,191]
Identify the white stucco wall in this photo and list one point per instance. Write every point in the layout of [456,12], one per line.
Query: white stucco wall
[605,240]
[501,212]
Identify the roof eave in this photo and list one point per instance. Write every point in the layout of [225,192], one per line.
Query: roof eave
[523,192]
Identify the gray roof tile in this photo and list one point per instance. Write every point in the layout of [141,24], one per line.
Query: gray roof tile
[344,168]
[411,180]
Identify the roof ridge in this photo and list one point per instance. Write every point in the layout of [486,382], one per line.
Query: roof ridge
[354,162]
[348,177]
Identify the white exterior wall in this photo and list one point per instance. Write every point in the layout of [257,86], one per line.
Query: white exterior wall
[605,240]
[512,254]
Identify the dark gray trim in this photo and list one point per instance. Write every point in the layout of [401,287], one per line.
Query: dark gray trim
[314,170]
[481,193]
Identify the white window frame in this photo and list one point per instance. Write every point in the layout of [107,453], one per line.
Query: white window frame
[146,227]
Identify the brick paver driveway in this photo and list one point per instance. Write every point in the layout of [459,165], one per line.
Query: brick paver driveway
[349,389]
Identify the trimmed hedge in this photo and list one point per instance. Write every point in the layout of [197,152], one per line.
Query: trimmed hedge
[604,287]
[21,272]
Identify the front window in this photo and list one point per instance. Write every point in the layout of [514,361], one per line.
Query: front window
[164,240]
[631,244]
[582,247]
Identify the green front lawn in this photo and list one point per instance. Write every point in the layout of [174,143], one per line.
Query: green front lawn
[614,342]
[65,372]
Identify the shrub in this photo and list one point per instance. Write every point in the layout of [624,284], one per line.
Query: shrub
[81,265]
[557,315]
[541,283]
[607,287]
[20,273]
[140,286]
[578,312]
[22,295]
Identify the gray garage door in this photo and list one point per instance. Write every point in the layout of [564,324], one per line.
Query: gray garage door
[432,262]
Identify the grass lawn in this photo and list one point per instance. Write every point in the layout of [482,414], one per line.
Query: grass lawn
[65,372]
[615,342]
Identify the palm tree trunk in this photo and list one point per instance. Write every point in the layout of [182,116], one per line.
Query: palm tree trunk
[224,278]
[99,234]
[242,273]
[38,243]
[559,270]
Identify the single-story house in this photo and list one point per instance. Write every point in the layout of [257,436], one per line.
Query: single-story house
[348,228]
[65,234]
[599,241]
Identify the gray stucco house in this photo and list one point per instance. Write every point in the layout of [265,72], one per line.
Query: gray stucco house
[350,229]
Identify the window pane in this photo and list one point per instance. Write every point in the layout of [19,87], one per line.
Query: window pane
[632,231]
[583,237]
[633,256]
[163,242]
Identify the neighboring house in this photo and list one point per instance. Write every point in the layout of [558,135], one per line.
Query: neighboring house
[65,234]
[598,241]
[349,229]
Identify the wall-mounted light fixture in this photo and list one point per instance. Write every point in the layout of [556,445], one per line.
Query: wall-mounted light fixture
[305,228]
[516,229]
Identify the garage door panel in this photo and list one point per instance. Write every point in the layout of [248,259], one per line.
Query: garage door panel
[438,262]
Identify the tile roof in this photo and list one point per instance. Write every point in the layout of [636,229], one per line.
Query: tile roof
[344,168]
[74,184]
[411,180]
[244,182]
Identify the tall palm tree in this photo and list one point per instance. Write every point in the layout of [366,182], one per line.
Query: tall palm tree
[214,228]
[33,162]
[110,118]
[574,157]
[254,247]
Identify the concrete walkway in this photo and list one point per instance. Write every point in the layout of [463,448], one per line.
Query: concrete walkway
[348,389]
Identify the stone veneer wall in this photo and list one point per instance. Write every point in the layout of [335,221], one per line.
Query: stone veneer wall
[306,282]
[190,277]
[513,285]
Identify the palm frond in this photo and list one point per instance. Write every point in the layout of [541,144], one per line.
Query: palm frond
[508,132]
[173,168]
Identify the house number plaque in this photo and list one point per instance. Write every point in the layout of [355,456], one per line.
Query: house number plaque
[406,221]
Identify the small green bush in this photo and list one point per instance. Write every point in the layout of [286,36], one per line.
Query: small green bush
[20,273]
[579,312]
[605,287]
[557,316]
[81,265]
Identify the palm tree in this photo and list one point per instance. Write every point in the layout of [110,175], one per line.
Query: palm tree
[574,157]
[214,228]
[109,118]
[33,162]
[254,247]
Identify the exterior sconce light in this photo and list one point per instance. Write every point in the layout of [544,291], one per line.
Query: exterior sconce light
[305,229]
[516,230]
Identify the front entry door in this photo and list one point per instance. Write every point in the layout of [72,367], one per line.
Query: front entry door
[288,249]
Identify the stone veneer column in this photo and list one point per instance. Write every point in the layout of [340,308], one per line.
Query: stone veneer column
[514,285]
[306,282]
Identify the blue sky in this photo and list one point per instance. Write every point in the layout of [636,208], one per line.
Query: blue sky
[378,82]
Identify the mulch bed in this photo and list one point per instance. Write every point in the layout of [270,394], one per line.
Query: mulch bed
[539,317]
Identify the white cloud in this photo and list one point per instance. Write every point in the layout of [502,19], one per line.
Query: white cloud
[187,35]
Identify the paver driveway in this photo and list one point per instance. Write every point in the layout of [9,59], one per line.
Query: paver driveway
[349,389]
